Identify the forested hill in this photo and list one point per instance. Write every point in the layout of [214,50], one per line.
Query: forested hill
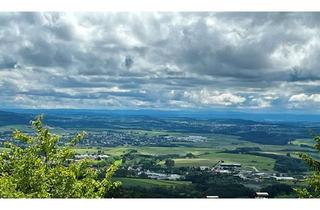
[11,118]
[194,114]
[264,132]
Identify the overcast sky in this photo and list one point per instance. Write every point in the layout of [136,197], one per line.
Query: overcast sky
[236,61]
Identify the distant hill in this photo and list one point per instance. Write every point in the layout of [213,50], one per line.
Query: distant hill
[11,118]
[195,114]
[279,131]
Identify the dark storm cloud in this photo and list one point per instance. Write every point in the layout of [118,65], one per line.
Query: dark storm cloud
[128,62]
[160,60]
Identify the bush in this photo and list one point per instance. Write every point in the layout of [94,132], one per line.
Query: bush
[313,181]
[39,168]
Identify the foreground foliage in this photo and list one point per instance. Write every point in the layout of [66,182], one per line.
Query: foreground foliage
[313,189]
[36,167]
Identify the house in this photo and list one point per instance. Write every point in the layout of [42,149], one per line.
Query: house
[262,195]
[203,168]
[90,156]
[283,178]
[212,196]
[230,165]
[221,171]
[226,168]
[262,175]
[161,176]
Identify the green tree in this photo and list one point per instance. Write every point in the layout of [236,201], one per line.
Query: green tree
[36,167]
[190,155]
[169,163]
[313,188]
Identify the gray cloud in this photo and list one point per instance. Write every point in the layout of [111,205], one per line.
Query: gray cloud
[160,60]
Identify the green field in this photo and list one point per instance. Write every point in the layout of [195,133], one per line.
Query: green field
[207,153]
[247,161]
[148,183]
[204,156]
[309,142]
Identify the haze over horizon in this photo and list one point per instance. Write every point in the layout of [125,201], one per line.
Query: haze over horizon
[257,62]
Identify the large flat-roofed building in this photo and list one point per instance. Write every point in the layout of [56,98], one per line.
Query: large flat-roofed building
[226,168]
[285,178]
[230,165]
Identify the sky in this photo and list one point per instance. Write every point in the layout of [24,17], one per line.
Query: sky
[230,61]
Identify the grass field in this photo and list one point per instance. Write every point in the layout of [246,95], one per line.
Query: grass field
[204,156]
[247,161]
[130,182]
[207,153]
[309,142]
[146,150]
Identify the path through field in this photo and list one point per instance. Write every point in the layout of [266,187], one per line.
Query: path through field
[254,168]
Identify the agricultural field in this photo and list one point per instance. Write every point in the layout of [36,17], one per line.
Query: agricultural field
[247,161]
[202,156]
[309,142]
[207,153]
[149,183]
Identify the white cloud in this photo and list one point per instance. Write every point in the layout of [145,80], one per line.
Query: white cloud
[305,98]
[260,103]
[206,97]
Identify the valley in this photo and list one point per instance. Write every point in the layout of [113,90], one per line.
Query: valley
[162,153]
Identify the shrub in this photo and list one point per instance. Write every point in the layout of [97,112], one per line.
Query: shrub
[36,167]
